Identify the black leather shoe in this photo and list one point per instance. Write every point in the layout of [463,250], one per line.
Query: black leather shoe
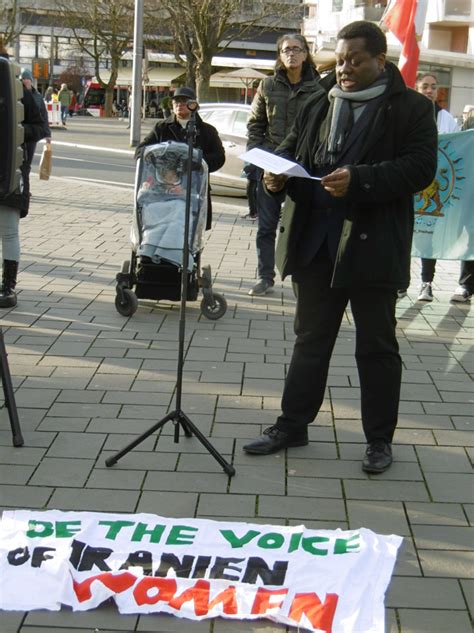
[378,457]
[274,439]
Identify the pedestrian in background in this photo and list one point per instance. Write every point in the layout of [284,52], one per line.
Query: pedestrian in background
[27,80]
[427,84]
[347,238]
[16,204]
[275,107]
[72,105]
[129,109]
[465,289]
[253,174]
[468,117]
[64,98]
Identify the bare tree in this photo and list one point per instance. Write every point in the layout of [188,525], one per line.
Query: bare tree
[10,23]
[103,30]
[201,28]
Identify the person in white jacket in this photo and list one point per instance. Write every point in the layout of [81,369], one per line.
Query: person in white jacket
[427,84]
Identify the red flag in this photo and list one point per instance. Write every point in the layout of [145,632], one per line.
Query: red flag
[405,19]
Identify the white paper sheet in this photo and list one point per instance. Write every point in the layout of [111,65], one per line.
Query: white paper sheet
[275,164]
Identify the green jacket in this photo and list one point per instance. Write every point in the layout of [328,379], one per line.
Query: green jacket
[64,97]
[398,158]
[276,106]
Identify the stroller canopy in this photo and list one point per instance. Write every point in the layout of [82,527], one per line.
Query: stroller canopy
[160,203]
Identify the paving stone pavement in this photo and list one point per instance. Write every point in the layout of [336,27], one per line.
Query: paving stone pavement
[87,380]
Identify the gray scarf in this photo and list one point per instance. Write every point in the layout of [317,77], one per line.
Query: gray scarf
[345,109]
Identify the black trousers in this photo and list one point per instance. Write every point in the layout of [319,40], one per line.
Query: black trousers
[466,276]
[319,313]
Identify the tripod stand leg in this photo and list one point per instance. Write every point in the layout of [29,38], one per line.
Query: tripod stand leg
[177,416]
[9,395]
[110,461]
[186,423]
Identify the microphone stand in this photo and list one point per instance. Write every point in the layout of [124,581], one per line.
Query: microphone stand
[178,417]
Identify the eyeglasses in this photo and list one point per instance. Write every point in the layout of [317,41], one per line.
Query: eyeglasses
[292,49]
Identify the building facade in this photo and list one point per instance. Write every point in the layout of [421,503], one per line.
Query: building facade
[49,50]
[446,49]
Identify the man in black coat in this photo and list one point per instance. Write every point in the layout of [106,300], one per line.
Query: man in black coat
[347,238]
[173,128]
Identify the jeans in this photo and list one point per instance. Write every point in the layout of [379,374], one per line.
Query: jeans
[64,113]
[268,206]
[319,312]
[251,189]
[428,267]
[9,233]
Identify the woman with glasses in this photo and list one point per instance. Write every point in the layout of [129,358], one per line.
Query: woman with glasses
[275,107]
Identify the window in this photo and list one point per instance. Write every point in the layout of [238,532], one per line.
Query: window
[240,123]
[376,4]
[219,119]
[458,7]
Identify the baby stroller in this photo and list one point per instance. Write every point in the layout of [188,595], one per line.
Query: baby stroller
[157,233]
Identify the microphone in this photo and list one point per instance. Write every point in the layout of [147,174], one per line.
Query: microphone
[192,105]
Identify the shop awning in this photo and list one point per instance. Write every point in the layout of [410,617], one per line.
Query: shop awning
[239,78]
[243,62]
[163,76]
[156,76]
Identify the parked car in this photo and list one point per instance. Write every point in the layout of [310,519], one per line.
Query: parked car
[230,120]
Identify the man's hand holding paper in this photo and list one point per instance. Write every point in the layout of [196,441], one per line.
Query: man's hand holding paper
[274,164]
[337,182]
[274,182]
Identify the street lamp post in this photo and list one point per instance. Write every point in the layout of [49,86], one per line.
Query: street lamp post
[17,30]
[137,74]
[51,57]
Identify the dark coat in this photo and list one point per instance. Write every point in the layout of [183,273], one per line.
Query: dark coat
[33,126]
[207,139]
[44,113]
[398,158]
[276,106]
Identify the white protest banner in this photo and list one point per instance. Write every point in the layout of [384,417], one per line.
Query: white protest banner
[329,581]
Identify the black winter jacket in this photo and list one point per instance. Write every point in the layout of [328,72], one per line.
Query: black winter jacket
[207,139]
[33,130]
[398,158]
[276,106]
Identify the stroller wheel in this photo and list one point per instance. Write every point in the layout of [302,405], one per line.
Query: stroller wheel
[214,308]
[206,277]
[128,304]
